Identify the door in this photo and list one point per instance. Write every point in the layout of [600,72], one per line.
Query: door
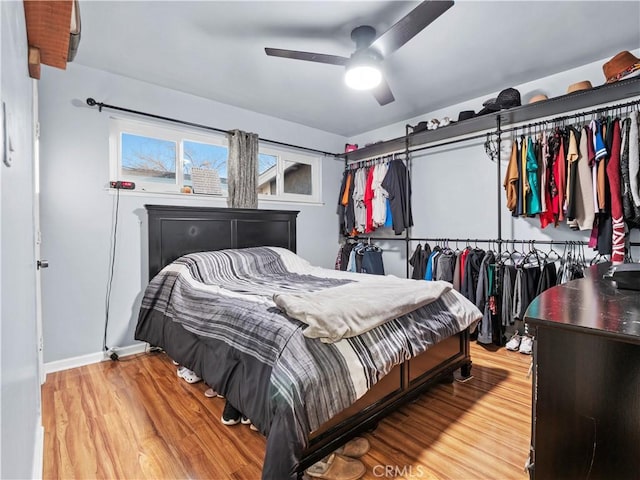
[40,264]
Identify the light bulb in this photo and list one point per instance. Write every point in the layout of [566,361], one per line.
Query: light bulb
[363,77]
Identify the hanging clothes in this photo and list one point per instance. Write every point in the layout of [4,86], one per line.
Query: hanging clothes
[471,273]
[482,295]
[398,186]
[533,195]
[630,210]
[419,261]
[584,210]
[379,204]
[511,179]
[573,155]
[360,209]
[617,216]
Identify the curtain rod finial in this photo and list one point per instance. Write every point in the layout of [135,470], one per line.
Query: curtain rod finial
[91,102]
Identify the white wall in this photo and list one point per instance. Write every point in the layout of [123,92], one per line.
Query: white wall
[77,210]
[20,395]
[455,188]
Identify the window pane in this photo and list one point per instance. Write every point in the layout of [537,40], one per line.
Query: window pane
[267,173]
[297,178]
[205,155]
[149,159]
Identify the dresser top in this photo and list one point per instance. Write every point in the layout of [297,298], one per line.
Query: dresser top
[589,305]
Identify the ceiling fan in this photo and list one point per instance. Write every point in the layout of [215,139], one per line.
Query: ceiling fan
[363,66]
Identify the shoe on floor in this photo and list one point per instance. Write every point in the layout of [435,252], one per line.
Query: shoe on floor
[188,376]
[514,343]
[354,448]
[254,428]
[230,416]
[245,421]
[526,345]
[337,467]
[210,393]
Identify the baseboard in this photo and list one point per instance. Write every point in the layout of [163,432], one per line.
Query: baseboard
[90,358]
[38,451]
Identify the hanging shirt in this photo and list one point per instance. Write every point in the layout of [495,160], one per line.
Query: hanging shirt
[358,199]
[613,174]
[379,195]
[630,210]
[572,171]
[511,179]
[533,197]
[398,186]
[560,181]
[523,176]
[584,206]
[519,182]
[368,201]
[634,156]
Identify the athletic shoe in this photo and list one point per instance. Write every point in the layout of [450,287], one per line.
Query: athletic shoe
[187,375]
[245,420]
[514,343]
[230,416]
[526,345]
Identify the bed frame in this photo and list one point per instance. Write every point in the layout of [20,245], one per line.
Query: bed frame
[175,231]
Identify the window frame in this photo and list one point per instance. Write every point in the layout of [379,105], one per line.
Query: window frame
[120,125]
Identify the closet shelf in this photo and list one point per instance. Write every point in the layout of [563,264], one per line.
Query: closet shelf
[554,106]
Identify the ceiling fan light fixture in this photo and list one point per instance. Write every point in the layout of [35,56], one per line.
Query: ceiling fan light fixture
[363,77]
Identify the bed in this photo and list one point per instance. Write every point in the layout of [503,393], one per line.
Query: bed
[216,275]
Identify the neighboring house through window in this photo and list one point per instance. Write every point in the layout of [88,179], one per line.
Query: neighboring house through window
[159,159]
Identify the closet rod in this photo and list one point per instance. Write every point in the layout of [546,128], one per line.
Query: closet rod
[572,116]
[449,142]
[93,103]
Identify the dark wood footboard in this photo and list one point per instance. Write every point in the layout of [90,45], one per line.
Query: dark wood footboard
[403,384]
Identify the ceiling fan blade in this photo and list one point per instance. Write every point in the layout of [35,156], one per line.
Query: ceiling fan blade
[383,93]
[309,57]
[410,25]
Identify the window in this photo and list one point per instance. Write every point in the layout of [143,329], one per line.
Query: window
[160,159]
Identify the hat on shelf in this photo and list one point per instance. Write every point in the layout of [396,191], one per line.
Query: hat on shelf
[465,115]
[576,87]
[621,66]
[507,98]
[541,97]
[420,127]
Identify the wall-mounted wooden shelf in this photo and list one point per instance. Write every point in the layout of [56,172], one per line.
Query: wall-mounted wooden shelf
[553,107]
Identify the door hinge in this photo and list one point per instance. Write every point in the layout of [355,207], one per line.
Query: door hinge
[38,130]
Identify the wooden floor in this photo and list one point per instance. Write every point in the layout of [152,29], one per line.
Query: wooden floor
[134,419]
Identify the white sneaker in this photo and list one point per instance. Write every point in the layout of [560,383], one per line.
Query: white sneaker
[514,343]
[526,345]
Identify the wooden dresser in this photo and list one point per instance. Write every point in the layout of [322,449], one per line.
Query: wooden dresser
[586,384]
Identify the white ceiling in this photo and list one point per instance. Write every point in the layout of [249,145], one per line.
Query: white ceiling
[215,50]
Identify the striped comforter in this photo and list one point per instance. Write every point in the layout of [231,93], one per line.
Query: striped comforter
[214,312]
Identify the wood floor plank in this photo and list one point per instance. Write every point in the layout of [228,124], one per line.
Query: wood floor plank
[135,419]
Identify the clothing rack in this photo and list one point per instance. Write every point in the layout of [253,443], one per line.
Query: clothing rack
[575,116]
[93,103]
[497,133]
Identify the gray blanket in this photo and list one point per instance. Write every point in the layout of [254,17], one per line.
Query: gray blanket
[348,310]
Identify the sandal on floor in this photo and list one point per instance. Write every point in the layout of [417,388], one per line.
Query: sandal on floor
[337,467]
[354,448]
[188,376]
[210,393]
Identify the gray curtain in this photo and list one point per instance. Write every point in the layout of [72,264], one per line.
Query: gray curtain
[242,169]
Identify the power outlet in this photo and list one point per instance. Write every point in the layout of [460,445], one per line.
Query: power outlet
[121,184]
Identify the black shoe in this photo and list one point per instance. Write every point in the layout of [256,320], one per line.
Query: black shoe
[230,416]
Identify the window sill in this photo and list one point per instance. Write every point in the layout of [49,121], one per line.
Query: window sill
[201,196]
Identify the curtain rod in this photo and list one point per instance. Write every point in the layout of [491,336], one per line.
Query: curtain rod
[572,116]
[92,103]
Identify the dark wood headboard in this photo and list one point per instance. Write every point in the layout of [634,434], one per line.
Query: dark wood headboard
[175,231]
